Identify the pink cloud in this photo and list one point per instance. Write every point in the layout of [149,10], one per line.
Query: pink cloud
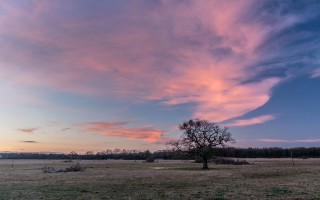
[198,52]
[252,121]
[27,130]
[117,129]
[316,74]
[289,141]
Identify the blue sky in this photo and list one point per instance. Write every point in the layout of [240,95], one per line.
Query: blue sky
[93,75]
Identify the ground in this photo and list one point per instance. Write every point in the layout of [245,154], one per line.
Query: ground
[263,179]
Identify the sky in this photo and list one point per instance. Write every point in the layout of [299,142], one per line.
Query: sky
[82,75]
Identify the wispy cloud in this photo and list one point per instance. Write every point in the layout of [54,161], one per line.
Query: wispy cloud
[118,129]
[288,141]
[315,74]
[53,123]
[252,121]
[65,129]
[174,52]
[27,130]
[29,141]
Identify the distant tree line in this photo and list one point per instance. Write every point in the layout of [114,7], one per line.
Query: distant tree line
[274,152]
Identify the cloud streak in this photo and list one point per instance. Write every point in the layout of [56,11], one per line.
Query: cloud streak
[118,129]
[252,121]
[202,53]
[316,74]
[29,141]
[27,130]
[65,129]
[288,141]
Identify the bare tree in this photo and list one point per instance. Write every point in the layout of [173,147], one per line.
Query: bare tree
[73,155]
[201,137]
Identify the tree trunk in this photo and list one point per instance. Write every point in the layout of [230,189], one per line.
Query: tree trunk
[205,163]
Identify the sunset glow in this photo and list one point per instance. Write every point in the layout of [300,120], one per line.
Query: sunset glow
[82,75]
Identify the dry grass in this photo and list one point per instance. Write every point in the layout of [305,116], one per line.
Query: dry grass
[264,179]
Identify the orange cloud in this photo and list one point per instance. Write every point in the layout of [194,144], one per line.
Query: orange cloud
[116,129]
[28,130]
[252,121]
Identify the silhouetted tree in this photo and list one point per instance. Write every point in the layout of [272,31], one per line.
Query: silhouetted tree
[201,138]
[73,155]
[89,155]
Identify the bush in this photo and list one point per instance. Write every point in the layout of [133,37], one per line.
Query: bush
[229,161]
[74,168]
[241,162]
[67,161]
[48,170]
[150,159]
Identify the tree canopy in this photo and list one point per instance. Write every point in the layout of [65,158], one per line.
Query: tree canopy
[201,138]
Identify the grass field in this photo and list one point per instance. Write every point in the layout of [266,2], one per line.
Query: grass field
[263,179]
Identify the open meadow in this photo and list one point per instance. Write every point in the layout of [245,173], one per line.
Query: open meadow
[118,179]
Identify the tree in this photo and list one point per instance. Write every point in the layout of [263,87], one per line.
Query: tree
[201,138]
[73,155]
[89,155]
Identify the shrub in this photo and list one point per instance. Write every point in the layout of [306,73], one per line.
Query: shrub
[67,161]
[74,168]
[241,162]
[229,161]
[150,159]
[48,170]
